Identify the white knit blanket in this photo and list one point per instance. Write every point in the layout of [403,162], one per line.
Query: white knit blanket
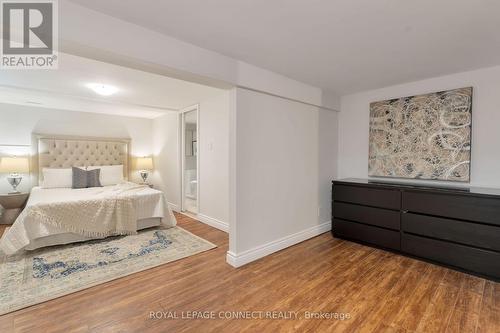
[111,212]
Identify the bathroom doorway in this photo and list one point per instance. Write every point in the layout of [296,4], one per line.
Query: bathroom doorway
[189,159]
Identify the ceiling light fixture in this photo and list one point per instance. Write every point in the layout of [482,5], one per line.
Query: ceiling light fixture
[102,89]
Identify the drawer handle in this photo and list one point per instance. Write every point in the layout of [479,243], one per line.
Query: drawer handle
[404,211]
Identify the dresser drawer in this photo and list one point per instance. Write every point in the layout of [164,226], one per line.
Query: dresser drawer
[375,216]
[472,259]
[383,198]
[365,233]
[479,235]
[472,208]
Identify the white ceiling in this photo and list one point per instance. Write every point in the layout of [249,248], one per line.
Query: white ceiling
[341,45]
[140,94]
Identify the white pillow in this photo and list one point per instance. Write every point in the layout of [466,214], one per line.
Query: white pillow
[110,174]
[54,178]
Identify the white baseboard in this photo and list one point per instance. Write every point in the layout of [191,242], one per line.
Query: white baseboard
[245,257]
[174,207]
[213,222]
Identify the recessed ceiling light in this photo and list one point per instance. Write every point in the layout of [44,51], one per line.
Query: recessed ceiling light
[102,89]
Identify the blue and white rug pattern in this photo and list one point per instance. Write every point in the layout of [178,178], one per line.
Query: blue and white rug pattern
[44,274]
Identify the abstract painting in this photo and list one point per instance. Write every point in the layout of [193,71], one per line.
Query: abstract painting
[422,137]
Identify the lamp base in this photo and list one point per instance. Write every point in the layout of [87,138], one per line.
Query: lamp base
[144,175]
[14,180]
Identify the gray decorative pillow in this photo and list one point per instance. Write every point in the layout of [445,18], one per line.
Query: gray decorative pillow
[83,178]
[79,178]
[93,178]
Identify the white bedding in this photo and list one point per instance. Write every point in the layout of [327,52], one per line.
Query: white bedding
[150,208]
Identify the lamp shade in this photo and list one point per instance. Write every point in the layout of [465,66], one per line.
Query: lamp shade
[144,163]
[14,165]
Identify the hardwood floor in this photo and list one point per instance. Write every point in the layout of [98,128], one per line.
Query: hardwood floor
[381,291]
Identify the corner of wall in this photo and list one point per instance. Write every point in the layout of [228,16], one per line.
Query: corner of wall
[330,100]
[239,259]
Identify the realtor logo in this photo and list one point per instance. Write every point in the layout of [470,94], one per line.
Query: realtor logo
[29,34]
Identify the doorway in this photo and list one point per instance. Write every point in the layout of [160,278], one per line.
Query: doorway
[190,159]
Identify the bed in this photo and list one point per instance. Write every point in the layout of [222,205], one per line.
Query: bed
[55,216]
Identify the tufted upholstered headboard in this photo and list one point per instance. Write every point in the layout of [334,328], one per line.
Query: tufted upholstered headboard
[56,151]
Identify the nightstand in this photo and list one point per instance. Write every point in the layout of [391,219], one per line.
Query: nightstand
[11,206]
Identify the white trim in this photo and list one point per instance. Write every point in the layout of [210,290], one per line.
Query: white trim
[232,170]
[182,152]
[245,257]
[198,149]
[181,157]
[218,224]
[224,226]
[174,207]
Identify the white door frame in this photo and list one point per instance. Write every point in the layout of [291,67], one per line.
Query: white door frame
[182,151]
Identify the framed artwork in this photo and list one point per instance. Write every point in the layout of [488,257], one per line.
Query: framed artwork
[422,137]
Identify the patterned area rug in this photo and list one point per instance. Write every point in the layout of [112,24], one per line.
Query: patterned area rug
[38,276]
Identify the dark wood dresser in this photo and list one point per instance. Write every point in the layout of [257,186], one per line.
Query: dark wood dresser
[455,226]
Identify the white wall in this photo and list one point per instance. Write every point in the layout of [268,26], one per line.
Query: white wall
[328,158]
[283,160]
[213,148]
[17,123]
[485,159]
[166,157]
[213,133]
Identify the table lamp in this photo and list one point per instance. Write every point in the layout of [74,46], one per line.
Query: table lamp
[15,166]
[144,165]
